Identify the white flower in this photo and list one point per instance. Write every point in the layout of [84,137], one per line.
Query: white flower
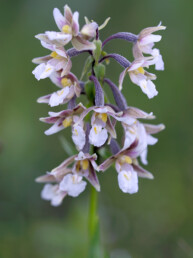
[128,181]
[70,88]
[72,184]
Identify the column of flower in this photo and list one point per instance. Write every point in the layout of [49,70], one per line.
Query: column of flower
[93,124]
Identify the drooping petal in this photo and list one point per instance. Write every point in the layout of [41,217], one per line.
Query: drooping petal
[128,181]
[72,184]
[53,194]
[148,87]
[78,136]
[98,135]
[43,71]
[59,97]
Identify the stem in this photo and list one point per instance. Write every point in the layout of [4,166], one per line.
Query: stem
[93,218]
[94,242]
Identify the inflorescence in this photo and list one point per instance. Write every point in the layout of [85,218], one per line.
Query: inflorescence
[93,124]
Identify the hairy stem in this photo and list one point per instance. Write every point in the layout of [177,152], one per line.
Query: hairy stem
[121,35]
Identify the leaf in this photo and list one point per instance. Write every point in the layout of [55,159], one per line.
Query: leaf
[100,71]
[67,146]
[87,64]
[97,50]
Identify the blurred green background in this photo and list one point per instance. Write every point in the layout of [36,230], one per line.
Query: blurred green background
[156,222]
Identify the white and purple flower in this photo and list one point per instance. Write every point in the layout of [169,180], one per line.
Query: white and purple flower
[69,85]
[140,77]
[68,25]
[67,118]
[145,44]
[58,60]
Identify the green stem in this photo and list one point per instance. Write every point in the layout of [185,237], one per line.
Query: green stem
[94,236]
[93,218]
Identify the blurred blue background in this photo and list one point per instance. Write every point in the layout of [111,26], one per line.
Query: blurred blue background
[156,222]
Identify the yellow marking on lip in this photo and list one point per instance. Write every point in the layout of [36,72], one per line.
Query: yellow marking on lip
[139,70]
[55,55]
[95,130]
[48,69]
[85,164]
[60,92]
[102,116]
[125,159]
[132,131]
[76,132]
[127,177]
[73,179]
[67,122]
[67,29]
[66,82]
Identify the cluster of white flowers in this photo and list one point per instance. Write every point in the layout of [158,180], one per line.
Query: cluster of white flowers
[93,124]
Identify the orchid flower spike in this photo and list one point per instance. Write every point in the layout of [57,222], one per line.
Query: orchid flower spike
[98,122]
